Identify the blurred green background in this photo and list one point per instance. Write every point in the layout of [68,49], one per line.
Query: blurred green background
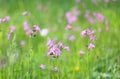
[18,62]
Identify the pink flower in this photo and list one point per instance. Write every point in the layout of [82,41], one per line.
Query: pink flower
[72,19]
[56,69]
[68,15]
[66,48]
[87,14]
[83,33]
[7,18]
[55,49]
[82,52]
[106,1]
[77,1]
[72,38]
[26,27]
[91,46]
[4,20]
[22,43]
[24,13]
[12,29]
[100,17]
[29,32]
[92,37]
[42,66]
[37,28]
[91,20]
[0,20]
[60,44]
[9,36]
[68,27]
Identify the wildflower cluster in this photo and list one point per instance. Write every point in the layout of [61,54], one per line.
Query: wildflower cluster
[31,31]
[5,19]
[90,34]
[56,49]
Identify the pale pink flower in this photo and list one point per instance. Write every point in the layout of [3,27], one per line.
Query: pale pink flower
[68,15]
[87,14]
[0,20]
[42,66]
[22,43]
[68,27]
[26,27]
[77,1]
[106,1]
[83,33]
[91,37]
[91,20]
[60,44]
[44,32]
[56,69]
[7,18]
[29,32]
[66,48]
[8,36]
[72,19]
[82,52]
[12,29]
[91,46]
[24,13]
[4,20]
[72,38]
[37,28]
[100,17]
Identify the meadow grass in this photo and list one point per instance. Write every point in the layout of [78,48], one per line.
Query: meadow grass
[17,62]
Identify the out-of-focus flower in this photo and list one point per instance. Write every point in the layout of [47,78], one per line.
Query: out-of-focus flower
[55,49]
[36,28]
[25,13]
[56,69]
[82,52]
[100,17]
[77,1]
[91,37]
[72,19]
[44,32]
[7,18]
[72,16]
[42,66]
[72,38]
[29,32]
[91,46]
[68,27]
[106,1]
[60,44]
[22,43]
[83,33]
[91,20]
[9,35]
[12,29]
[66,48]
[25,24]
